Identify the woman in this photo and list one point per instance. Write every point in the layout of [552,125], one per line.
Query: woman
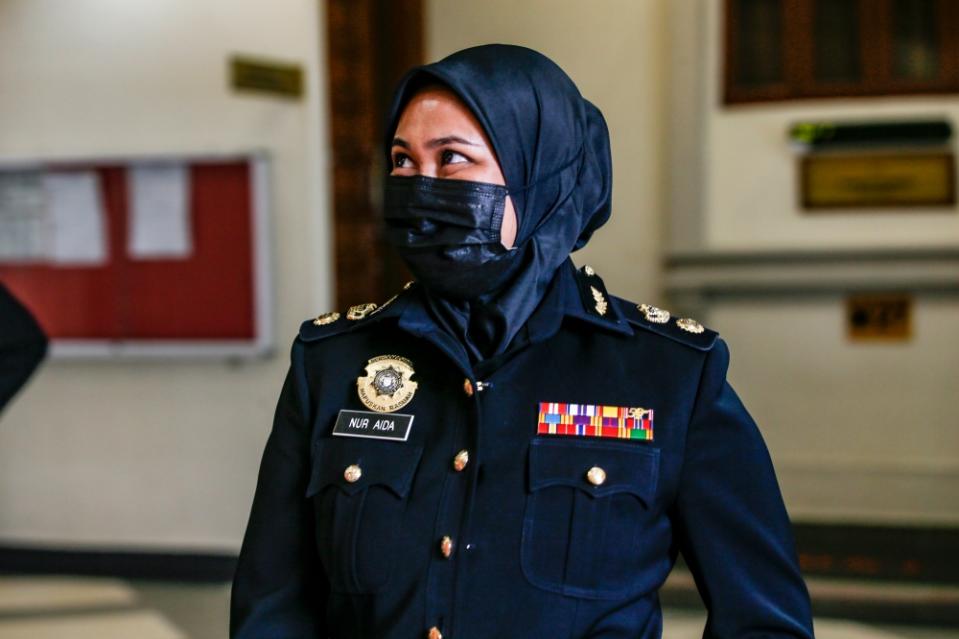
[503,449]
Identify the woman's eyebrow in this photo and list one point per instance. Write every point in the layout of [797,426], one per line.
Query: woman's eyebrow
[449,139]
[435,142]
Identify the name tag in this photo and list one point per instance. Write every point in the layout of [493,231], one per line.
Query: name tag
[361,423]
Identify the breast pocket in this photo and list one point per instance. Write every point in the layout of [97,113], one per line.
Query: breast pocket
[588,515]
[359,489]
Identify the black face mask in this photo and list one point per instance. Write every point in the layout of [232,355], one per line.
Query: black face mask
[448,232]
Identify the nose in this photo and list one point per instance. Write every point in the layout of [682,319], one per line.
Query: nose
[428,169]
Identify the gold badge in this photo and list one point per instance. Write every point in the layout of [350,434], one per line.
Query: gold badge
[326,318]
[599,299]
[653,314]
[360,311]
[387,386]
[690,325]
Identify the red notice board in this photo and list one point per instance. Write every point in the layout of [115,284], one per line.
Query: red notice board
[212,301]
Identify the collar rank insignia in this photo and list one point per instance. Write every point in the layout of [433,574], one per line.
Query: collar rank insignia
[592,420]
[387,386]
[601,304]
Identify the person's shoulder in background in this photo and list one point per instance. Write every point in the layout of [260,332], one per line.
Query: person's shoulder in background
[23,345]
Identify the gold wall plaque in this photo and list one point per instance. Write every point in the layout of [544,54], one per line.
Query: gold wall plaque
[266,76]
[904,180]
[879,317]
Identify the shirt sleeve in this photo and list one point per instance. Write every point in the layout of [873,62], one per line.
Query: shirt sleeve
[732,526]
[280,588]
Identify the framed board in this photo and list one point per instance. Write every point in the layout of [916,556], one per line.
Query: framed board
[163,256]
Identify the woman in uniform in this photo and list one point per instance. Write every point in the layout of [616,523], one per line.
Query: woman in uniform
[504,449]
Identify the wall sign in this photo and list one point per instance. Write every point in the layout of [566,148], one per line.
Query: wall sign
[879,317]
[903,180]
[266,76]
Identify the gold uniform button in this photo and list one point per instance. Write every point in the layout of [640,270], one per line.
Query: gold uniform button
[468,387]
[434,633]
[352,473]
[596,476]
[446,546]
[462,458]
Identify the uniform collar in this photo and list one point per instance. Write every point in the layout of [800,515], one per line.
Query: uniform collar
[579,294]
[587,300]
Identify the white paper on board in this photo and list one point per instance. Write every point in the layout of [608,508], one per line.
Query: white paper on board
[23,217]
[76,224]
[159,212]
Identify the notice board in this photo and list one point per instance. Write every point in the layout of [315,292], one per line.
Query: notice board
[148,256]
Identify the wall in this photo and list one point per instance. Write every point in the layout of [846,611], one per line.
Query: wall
[146,454]
[858,432]
[615,52]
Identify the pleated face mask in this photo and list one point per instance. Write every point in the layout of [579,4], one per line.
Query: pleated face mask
[448,232]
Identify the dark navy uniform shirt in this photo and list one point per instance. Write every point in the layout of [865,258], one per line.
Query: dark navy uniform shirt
[479,527]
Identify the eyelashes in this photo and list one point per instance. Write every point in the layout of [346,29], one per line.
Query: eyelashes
[446,158]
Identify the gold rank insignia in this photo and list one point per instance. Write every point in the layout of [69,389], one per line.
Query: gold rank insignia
[653,314]
[690,325]
[326,318]
[601,304]
[387,386]
[360,311]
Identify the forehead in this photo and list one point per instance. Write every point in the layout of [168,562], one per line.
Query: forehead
[434,108]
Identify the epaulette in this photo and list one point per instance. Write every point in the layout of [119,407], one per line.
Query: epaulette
[679,329]
[334,323]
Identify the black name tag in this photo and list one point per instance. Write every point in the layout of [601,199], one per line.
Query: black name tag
[361,423]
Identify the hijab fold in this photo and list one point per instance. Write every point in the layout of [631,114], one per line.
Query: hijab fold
[553,148]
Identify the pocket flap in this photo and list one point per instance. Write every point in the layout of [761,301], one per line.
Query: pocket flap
[383,463]
[566,462]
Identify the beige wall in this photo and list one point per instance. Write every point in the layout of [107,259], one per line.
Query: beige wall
[615,52]
[158,453]
[859,432]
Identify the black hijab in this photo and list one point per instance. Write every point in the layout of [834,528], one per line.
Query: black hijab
[553,148]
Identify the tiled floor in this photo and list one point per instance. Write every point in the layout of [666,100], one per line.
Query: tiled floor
[81,608]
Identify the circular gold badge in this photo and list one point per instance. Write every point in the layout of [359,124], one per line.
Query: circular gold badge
[387,386]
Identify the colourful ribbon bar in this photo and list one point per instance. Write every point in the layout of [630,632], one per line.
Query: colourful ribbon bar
[593,420]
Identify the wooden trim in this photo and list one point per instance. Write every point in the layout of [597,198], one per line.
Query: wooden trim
[370,44]
[876,50]
[733,91]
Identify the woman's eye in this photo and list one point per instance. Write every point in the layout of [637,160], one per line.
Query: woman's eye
[400,161]
[452,157]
